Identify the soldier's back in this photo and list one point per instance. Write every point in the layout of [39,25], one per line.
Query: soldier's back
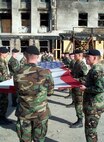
[33,83]
[3,70]
[13,65]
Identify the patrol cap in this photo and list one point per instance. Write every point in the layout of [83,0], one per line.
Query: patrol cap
[4,49]
[32,50]
[15,50]
[77,51]
[93,52]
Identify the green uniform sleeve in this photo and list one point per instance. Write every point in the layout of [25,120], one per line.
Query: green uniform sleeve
[3,71]
[13,65]
[98,83]
[50,84]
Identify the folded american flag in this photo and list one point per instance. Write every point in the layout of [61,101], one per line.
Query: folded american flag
[7,86]
[61,75]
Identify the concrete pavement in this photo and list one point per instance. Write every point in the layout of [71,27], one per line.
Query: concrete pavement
[58,128]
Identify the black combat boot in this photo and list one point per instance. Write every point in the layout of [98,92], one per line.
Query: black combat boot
[77,124]
[70,105]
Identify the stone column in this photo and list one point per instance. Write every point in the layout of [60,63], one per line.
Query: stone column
[37,44]
[16,18]
[34,16]
[11,44]
[18,45]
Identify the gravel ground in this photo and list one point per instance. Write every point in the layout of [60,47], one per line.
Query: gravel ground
[58,128]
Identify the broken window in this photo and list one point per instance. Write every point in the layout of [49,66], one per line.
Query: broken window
[25,0]
[84,0]
[44,19]
[25,17]
[5,22]
[24,42]
[25,4]
[7,3]
[5,43]
[44,0]
[83,19]
[101,19]
[6,0]
[43,45]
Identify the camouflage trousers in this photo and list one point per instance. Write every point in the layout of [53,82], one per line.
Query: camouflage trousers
[91,123]
[3,104]
[71,94]
[93,107]
[32,130]
[77,97]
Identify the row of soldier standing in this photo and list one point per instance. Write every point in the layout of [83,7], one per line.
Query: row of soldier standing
[3,76]
[46,57]
[33,84]
[8,67]
[89,97]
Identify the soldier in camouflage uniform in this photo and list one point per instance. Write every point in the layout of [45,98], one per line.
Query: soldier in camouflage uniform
[3,76]
[72,61]
[70,67]
[93,103]
[33,84]
[62,57]
[13,63]
[44,57]
[79,72]
[14,66]
[102,62]
[49,57]
[23,59]
[67,59]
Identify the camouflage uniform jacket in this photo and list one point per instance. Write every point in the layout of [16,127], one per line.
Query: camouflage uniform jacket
[79,70]
[66,61]
[44,58]
[62,59]
[33,84]
[22,62]
[71,65]
[49,58]
[3,71]
[94,93]
[13,65]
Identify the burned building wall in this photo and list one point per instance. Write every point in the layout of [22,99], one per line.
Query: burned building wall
[68,13]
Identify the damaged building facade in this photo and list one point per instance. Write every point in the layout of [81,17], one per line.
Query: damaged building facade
[52,25]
